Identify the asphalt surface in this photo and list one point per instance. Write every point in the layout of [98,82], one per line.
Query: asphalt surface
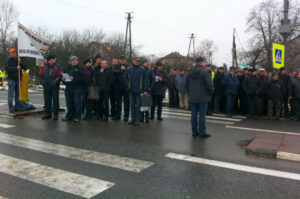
[166,178]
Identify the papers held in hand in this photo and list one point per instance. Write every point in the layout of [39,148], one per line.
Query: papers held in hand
[67,77]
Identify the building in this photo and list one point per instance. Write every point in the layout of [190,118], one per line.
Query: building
[176,59]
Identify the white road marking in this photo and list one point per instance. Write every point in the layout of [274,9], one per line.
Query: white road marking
[189,119]
[262,130]
[105,159]
[209,117]
[69,182]
[3,103]
[7,126]
[227,165]
[2,197]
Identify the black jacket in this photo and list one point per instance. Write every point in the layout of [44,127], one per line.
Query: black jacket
[11,68]
[89,76]
[171,83]
[104,79]
[218,86]
[295,88]
[51,76]
[77,72]
[151,78]
[118,76]
[275,89]
[199,84]
[285,80]
[159,87]
[252,85]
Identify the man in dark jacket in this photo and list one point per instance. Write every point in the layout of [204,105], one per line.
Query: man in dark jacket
[74,89]
[89,80]
[295,93]
[200,88]
[12,69]
[150,75]
[172,90]
[180,83]
[285,78]
[104,81]
[51,77]
[121,90]
[137,82]
[159,90]
[231,84]
[242,94]
[252,86]
[218,89]
[276,90]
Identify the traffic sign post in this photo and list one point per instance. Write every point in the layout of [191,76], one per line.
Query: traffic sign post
[278,56]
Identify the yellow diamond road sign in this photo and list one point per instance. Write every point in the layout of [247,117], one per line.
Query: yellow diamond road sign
[278,55]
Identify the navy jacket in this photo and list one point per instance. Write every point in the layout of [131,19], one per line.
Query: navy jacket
[51,76]
[78,77]
[275,89]
[199,84]
[295,88]
[136,80]
[118,76]
[180,82]
[219,87]
[231,84]
[160,87]
[252,84]
[11,69]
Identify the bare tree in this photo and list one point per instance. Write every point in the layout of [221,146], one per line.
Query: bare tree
[8,16]
[206,49]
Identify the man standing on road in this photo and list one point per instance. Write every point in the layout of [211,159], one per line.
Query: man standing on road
[180,83]
[51,77]
[285,78]
[295,93]
[137,81]
[121,91]
[200,87]
[12,68]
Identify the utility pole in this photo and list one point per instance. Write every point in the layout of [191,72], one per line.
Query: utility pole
[285,28]
[192,42]
[234,54]
[128,41]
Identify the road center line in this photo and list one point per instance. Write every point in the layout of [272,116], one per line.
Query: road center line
[262,130]
[69,182]
[227,165]
[105,159]
[7,126]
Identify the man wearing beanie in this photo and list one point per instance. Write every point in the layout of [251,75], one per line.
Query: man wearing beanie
[295,93]
[200,87]
[50,79]
[74,89]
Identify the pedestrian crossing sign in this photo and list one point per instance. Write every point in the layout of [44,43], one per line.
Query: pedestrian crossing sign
[278,55]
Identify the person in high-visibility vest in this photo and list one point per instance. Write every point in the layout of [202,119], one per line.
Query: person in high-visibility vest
[1,76]
[211,103]
[13,66]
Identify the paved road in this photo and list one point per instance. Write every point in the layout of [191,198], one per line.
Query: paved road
[47,159]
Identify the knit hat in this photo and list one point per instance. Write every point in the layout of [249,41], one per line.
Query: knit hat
[158,63]
[200,59]
[73,58]
[49,57]
[86,61]
[12,50]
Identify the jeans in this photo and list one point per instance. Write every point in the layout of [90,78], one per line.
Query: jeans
[122,94]
[198,124]
[230,102]
[51,96]
[73,100]
[157,100]
[13,90]
[134,99]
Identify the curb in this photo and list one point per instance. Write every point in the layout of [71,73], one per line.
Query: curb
[288,156]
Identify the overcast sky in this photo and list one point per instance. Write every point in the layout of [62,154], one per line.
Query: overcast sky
[159,26]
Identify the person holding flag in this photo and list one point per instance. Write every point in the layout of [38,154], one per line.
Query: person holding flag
[12,67]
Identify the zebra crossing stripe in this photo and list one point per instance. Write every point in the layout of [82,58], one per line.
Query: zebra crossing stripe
[207,120]
[7,126]
[105,159]
[2,197]
[69,182]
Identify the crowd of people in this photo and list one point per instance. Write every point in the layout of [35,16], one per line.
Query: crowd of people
[100,90]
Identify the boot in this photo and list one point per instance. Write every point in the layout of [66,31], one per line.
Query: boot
[46,116]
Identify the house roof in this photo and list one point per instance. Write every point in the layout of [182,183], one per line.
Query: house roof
[173,55]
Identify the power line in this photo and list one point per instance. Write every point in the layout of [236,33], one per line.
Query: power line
[192,42]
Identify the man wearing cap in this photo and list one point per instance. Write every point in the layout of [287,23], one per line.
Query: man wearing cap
[263,97]
[275,89]
[252,86]
[295,93]
[210,107]
[74,89]
[219,91]
[285,78]
[12,67]
[180,83]
[137,83]
[172,90]
[231,84]
[200,88]
[159,90]
[50,79]
[120,89]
